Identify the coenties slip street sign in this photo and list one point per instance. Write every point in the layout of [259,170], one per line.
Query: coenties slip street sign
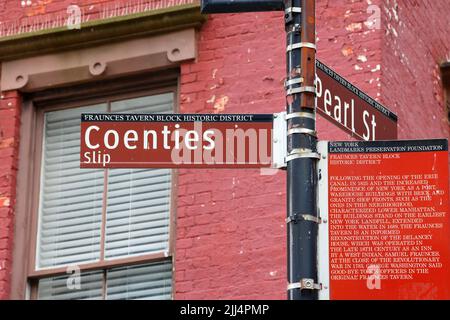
[351,109]
[176,140]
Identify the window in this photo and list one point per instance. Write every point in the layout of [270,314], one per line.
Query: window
[112,225]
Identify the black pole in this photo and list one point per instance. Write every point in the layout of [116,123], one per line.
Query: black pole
[302,216]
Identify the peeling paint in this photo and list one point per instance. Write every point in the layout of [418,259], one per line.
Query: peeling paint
[347,51]
[362,58]
[356,26]
[6,143]
[185,99]
[4,202]
[214,73]
[212,100]
[39,8]
[377,68]
[220,104]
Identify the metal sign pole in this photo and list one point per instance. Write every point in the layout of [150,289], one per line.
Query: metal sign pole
[302,156]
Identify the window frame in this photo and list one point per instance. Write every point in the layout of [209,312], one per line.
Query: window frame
[34,111]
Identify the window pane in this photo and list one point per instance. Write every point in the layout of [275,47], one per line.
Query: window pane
[149,282]
[138,210]
[63,288]
[71,198]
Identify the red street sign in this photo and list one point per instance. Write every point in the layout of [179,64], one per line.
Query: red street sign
[176,140]
[351,109]
[388,224]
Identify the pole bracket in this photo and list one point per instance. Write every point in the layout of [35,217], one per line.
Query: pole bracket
[305,284]
[308,115]
[293,10]
[303,217]
[291,82]
[310,132]
[309,89]
[301,45]
[290,10]
[296,154]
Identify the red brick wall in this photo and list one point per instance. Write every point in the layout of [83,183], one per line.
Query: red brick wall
[230,223]
[9,145]
[416,42]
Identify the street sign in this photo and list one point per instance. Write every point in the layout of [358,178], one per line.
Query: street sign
[385,224]
[176,140]
[351,109]
[230,6]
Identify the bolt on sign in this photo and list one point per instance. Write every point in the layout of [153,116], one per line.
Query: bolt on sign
[351,109]
[385,224]
[176,140]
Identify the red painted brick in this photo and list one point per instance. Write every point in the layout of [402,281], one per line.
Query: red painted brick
[230,233]
[9,144]
[411,66]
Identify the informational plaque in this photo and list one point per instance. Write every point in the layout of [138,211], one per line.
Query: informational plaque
[385,231]
[176,140]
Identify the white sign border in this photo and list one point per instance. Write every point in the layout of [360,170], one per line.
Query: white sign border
[323,262]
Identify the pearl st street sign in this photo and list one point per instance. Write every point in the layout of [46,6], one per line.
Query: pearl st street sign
[351,109]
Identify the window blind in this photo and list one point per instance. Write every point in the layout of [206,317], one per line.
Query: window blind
[57,288]
[144,282]
[148,282]
[70,198]
[138,210]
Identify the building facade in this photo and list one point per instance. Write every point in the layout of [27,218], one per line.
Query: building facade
[185,233]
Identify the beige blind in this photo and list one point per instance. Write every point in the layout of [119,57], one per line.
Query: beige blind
[145,282]
[138,200]
[70,209]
